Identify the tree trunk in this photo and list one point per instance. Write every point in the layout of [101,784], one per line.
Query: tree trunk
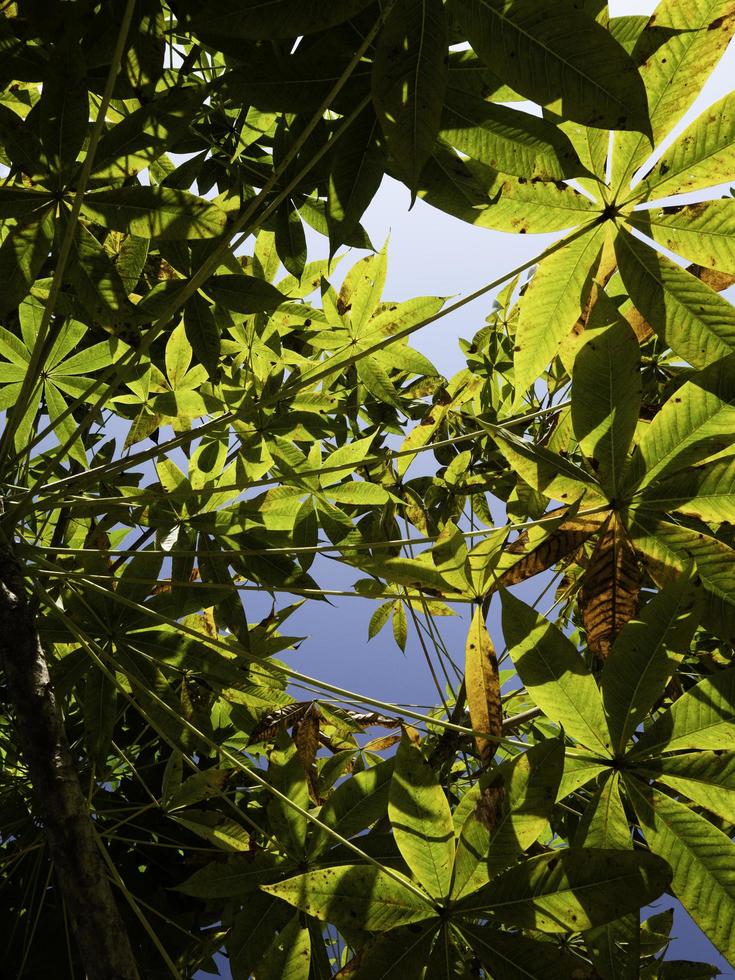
[99,930]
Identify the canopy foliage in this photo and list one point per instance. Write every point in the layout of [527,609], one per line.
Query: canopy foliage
[194,415]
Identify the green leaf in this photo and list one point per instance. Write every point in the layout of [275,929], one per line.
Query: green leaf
[100,699]
[356,173]
[606,395]
[558,57]
[62,118]
[529,787]
[354,896]
[213,827]
[555,675]
[507,139]
[252,931]
[20,202]
[614,946]
[604,823]
[511,956]
[358,493]
[375,378]
[670,549]
[697,421]
[244,294]
[480,195]
[409,81]
[643,658]
[289,954]
[400,626]
[240,874]
[701,156]
[702,718]
[286,773]
[155,212]
[547,472]
[266,19]
[290,240]
[552,305]
[421,820]
[202,333]
[571,890]
[701,858]
[692,319]
[707,778]
[351,456]
[400,954]
[356,804]
[706,491]
[681,44]
[96,280]
[146,133]
[703,233]
[22,255]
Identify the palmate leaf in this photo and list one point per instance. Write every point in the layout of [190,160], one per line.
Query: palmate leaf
[555,675]
[510,956]
[265,19]
[289,954]
[409,81]
[560,58]
[356,804]
[356,173]
[482,683]
[155,212]
[692,319]
[701,156]
[491,838]
[706,491]
[421,820]
[697,421]
[643,657]
[22,255]
[354,897]
[606,395]
[683,38]
[571,890]
[553,303]
[611,585]
[614,946]
[669,550]
[701,857]
[400,954]
[702,718]
[703,233]
[506,139]
[480,195]
[548,472]
[706,778]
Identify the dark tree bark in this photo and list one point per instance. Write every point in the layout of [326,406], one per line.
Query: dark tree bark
[99,930]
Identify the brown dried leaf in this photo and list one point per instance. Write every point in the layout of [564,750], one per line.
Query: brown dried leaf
[611,586]
[482,684]
[568,537]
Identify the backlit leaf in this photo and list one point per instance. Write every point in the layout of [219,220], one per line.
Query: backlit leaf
[421,820]
[409,79]
[558,57]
